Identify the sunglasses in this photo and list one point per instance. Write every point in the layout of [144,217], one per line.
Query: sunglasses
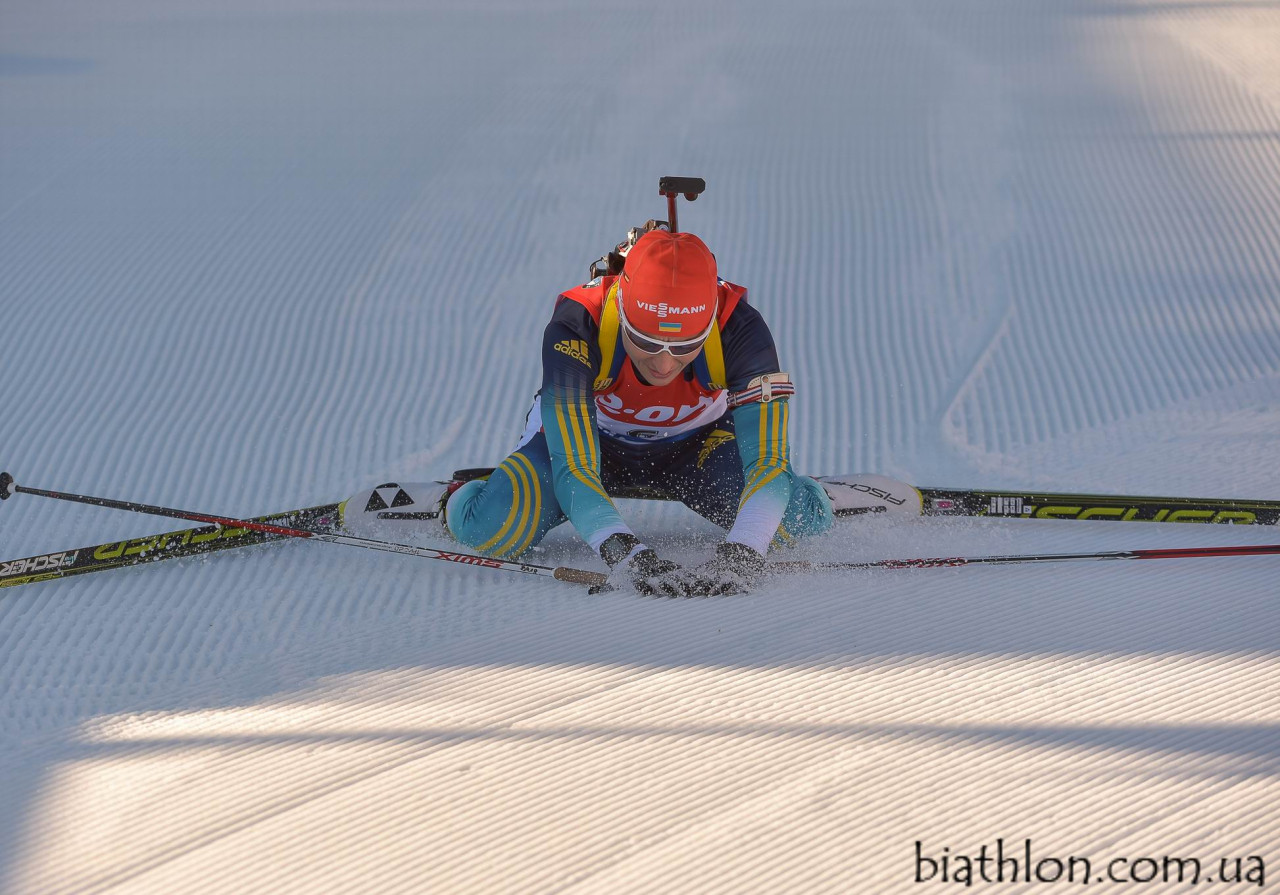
[680,349]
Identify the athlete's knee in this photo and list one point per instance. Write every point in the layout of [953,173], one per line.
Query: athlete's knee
[504,515]
[462,518]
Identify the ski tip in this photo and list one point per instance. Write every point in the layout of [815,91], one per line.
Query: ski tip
[6,485]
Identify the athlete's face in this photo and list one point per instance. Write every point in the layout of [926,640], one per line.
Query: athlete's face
[657,369]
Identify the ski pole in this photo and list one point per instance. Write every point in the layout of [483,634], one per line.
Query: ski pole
[9,487]
[941,562]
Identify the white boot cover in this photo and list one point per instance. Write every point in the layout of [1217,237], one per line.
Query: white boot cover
[394,511]
[868,493]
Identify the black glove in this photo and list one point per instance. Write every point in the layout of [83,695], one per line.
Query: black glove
[734,570]
[630,565]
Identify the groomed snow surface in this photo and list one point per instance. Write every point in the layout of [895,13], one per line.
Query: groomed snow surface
[258,255]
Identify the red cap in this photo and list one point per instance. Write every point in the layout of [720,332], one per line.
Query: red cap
[669,285]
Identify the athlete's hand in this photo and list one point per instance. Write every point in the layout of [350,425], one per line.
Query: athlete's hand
[646,567]
[633,563]
[733,570]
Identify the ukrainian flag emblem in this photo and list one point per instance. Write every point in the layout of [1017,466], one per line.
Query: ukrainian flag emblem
[668,326]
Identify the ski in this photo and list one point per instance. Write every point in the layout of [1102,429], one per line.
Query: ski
[1113,507]
[866,493]
[166,545]
[561,573]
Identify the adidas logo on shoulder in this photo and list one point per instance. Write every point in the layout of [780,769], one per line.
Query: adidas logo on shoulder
[576,349]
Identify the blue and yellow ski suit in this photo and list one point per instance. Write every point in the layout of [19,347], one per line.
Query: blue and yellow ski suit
[715,438]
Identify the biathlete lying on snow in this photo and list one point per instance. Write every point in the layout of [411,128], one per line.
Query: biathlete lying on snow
[662,378]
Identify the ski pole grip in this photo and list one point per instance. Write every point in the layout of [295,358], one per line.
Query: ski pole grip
[580,576]
[6,485]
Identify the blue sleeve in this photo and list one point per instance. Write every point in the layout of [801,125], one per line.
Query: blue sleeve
[761,430]
[761,434]
[748,347]
[570,362]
